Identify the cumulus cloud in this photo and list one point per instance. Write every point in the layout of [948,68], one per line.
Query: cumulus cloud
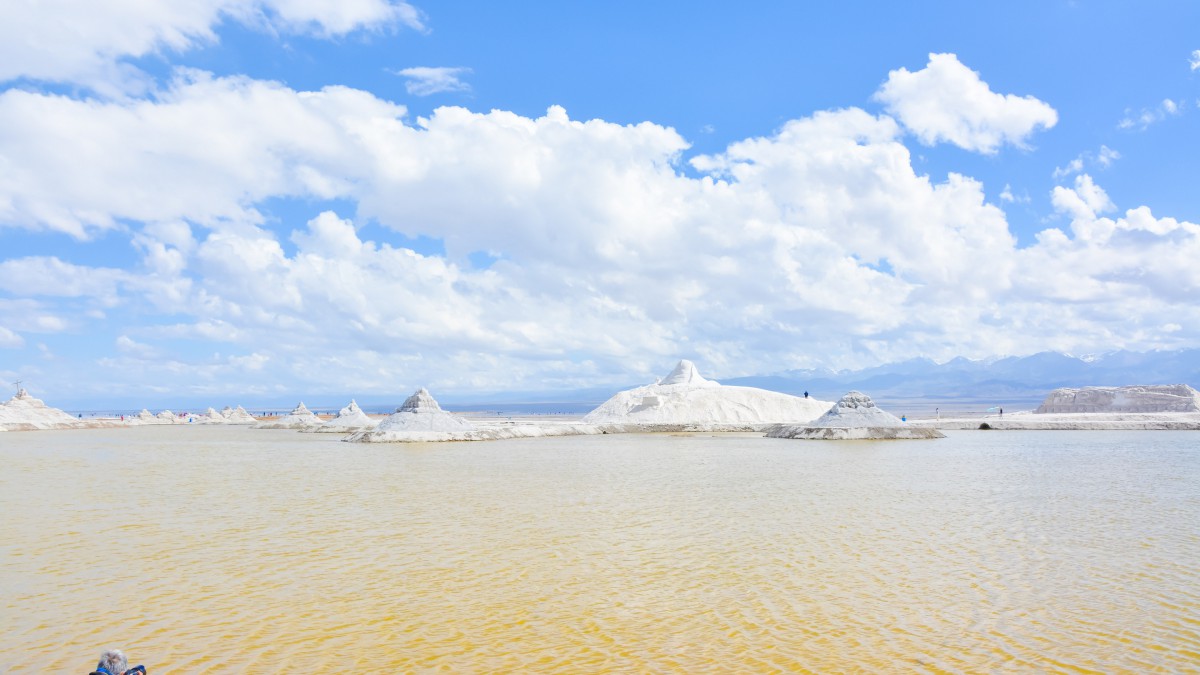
[947,101]
[425,81]
[105,33]
[9,339]
[1194,61]
[205,150]
[817,241]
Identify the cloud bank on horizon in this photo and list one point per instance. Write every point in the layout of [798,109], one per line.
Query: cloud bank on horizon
[461,249]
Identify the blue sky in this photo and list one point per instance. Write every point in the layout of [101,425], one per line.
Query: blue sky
[250,199]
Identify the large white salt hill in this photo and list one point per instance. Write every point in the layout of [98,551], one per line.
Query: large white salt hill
[26,413]
[349,419]
[684,400]
[854,417]
[422,420]
[1155,398]
[299,418]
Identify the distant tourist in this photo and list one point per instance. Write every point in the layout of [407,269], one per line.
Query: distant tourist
[806,394]
[113,662]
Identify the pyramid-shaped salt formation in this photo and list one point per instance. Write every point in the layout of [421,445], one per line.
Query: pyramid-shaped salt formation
[238,415]
[420,412]
[685,399]
[26,413]
[210,416]
[300,418]
[351,418]
[854,417]
[420,419]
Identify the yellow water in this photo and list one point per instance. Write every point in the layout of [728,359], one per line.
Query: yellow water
[235,550]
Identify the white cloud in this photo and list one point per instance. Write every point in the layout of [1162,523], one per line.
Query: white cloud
[1107,156]
[946,101]
[103,32]
[48,276]
[424,81]
[1102,159]
[127,345]
[205,150]
[9,339]
[1151,116]
[1194,62]
[818,239]
[1006,195]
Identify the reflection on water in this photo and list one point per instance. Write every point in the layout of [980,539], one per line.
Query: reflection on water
[259,551]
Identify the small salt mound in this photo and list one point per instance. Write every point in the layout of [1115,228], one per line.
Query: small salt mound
[26,413]
[856,410]
[854,417]
[300,417]
[146,418]
[239,416]
[350,418]
[420,418]
[420,412]
[210,416]
[685,400]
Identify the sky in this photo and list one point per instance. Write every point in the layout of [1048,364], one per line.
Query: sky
[249,200]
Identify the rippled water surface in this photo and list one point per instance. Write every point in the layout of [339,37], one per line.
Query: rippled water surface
[236,550]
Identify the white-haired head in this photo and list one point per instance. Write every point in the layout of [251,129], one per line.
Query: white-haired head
[113,661]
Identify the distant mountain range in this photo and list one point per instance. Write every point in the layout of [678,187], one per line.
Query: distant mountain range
[916,386]
[1014,380]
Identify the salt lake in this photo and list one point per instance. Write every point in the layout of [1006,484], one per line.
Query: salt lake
[229,549]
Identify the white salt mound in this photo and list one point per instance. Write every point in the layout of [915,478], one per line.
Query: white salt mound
[855,410]
[300,418]
[146,418]
[421,420]
[421,412]
[26,413]
[350,418]
[854,417]
[210,416]
[1153,398]
[239,416]
[685,400]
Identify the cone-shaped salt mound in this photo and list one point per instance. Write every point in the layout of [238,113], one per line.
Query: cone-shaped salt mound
[210,416]
[300,418]
[146,418]
[350,418]
[420,412]
[26,413]
[685,372]
[239,416]
[685,400]
[854,417]
[420,418]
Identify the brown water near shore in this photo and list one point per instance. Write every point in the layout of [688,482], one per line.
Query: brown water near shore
[238,550]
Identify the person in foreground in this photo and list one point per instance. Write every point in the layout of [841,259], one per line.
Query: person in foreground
[113,662]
